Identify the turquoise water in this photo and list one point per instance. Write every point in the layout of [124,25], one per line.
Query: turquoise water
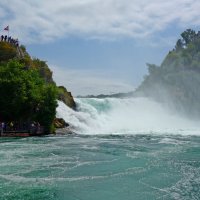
[77,167]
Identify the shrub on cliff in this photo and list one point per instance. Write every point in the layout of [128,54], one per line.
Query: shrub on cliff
[43,70]
[7,51]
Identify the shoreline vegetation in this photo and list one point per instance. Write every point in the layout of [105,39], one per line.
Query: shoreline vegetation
[28,92]
[175,83]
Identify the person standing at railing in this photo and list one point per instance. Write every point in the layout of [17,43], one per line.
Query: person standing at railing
[0,129]
[2,126]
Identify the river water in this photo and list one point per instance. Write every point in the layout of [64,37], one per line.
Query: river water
[122,160]
[100,167]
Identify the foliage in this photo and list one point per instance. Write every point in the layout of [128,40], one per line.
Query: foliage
[25,95]
[7,51]
[177,80]
[43,70]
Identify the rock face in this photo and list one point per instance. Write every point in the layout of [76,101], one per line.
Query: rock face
[60,123]
[66,97]
[62,127]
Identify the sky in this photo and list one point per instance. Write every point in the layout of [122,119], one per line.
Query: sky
[99,46]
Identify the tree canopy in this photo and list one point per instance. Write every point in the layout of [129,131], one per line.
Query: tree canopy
[25,95]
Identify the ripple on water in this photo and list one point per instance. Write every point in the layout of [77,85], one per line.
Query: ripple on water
[143,167]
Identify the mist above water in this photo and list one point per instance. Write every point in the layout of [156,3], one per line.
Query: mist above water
[125,116]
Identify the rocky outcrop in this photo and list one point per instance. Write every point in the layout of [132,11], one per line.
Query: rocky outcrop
[62,127]
[66,97]
[60,123]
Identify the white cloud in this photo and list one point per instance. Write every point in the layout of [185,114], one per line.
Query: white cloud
[84,82]
[48,19]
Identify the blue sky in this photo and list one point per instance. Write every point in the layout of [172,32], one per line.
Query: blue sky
[99,46]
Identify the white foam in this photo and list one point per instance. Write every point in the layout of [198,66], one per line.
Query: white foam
[125,116]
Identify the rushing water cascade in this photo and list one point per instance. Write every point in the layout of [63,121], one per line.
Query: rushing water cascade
[125,116]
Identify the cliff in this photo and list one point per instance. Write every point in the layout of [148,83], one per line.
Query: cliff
[28,90]
[176,81]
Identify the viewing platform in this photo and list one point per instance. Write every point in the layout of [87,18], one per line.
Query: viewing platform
[34,130]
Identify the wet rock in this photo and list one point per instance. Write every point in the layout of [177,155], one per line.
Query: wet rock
[66,97]
[60,123]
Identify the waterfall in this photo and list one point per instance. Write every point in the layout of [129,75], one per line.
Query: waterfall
[124,116]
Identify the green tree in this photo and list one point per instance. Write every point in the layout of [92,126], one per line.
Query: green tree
[179,45]
[26,96]
[188,36]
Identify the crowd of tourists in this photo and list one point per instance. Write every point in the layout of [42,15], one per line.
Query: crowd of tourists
[5,38]
[32,127]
